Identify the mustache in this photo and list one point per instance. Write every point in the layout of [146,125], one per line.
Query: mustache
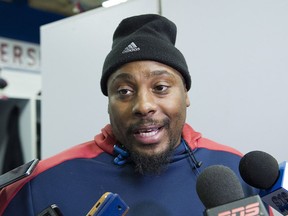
[135,126]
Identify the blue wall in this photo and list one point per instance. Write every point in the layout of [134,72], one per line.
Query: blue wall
[21,22]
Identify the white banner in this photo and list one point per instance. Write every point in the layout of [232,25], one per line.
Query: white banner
[19,55]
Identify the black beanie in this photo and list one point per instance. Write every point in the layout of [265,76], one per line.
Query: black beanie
[144,37]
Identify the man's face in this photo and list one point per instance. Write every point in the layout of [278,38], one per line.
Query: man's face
[147,109]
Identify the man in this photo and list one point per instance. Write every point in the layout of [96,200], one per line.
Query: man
[148,154]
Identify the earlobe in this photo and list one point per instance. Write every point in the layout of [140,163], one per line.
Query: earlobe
[187,100]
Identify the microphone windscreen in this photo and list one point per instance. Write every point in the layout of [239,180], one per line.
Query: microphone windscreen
[218,185]
[259,169]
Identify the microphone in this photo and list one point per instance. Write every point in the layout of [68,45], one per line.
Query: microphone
[221,193]
[109,204]
[262,171]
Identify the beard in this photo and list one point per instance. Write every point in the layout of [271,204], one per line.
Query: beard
[151,164]
[154,163]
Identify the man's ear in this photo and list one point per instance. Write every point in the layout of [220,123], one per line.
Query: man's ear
[187,100]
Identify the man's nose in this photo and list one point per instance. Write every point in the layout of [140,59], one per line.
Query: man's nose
[144,104]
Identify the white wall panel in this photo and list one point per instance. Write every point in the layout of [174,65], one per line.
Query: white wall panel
[237,55]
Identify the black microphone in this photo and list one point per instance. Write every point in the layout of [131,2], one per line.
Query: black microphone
[221,193]
[262,171]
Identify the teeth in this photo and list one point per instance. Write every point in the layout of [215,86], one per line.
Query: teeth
[147,133]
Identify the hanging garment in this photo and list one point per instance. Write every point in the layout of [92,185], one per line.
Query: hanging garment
[13,156]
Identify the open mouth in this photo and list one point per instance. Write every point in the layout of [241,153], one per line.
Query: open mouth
[148,132]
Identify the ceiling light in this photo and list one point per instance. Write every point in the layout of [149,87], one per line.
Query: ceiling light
[111,3]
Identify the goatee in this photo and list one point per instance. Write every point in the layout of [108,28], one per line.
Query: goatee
[152,164]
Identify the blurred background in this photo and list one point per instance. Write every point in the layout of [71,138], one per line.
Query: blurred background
[21,19]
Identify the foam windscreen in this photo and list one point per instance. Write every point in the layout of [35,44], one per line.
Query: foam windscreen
[218,185]
[259,169]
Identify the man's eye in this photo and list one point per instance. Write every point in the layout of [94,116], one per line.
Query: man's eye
[161,88]
[124,92]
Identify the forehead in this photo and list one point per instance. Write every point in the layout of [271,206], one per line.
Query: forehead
[144,69]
